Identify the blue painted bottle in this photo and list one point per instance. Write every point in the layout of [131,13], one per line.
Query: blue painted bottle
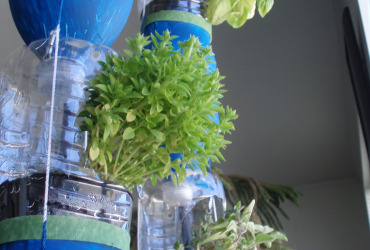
[98,21]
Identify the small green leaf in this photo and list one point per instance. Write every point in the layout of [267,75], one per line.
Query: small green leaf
[106,133]
[241,12]
[128,134]
[130,117]
[93,82]
[101,159]
[218,11]
[94,153]
[279,236]
[264,6]
[174,180]
[128,52]
[167,70]
[264,238]
[214,237]
[204,170]
[158,135]
[110,156]
[153,179]
[248,211]
[114,128]
[84,113]
[145,91]
[102,87]
[89,122]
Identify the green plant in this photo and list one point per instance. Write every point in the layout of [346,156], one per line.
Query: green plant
[154,97]
[236,231]
[235,12]
[268,197]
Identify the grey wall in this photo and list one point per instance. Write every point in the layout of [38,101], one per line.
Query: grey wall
[288,80]
[332,217]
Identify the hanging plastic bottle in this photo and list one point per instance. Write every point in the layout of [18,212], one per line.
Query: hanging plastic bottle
[25,87]
[77,198]
[168,214]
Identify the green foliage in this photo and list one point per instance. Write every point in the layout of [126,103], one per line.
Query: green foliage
[151,98]
[236,12]
[268,196]
[235,231]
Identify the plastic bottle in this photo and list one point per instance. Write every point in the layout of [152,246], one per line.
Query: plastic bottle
[25,95]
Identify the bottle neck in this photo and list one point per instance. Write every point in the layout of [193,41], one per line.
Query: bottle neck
[197,7]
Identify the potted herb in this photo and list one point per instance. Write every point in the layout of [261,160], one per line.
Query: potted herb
[235,231]
[152,98]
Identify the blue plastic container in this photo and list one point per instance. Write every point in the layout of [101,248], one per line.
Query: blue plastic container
[96,21]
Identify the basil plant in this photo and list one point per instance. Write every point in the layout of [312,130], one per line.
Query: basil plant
[152,103]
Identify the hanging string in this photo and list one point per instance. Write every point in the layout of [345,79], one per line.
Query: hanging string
[47,174]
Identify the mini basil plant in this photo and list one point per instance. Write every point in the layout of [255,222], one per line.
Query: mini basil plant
[235,12]
[235,231]
[152,103]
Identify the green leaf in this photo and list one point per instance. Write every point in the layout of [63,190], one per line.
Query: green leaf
[241,12]
[218,11]
[145,91]
[128,52]
[84,113]
[159,107]
[130,117]
[93,82]
[106,133]
[214,237]
[128,134]
[110,156]
[174,180]
[264,6]
[94,153]
[167,167]
[102,87]
[167,70]
[101,159]
[89,122]
[248,211]
[204,170]
[113,128]
[182,174]
[153,179]
[158,135]
[279,236]
[264,238]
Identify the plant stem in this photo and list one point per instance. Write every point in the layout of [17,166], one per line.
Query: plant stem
[132,154]
[118,154]
[148,173]
[134,165]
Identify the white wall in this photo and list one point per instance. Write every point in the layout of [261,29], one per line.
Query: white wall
[333,217]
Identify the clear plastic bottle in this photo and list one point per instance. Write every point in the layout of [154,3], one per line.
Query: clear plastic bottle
[25,97]
[168,214]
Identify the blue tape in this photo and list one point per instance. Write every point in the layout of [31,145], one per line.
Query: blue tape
[54,245]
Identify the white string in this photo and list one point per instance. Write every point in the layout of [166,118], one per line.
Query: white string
[46,195]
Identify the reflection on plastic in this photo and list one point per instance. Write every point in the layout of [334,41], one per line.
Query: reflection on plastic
[25,93]
[168,214]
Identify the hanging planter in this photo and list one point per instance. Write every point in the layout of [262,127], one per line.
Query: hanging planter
[83,213]
[168,214]
[82,207]
[98,21]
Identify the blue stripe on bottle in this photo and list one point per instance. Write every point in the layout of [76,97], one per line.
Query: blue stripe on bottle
[54,245]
